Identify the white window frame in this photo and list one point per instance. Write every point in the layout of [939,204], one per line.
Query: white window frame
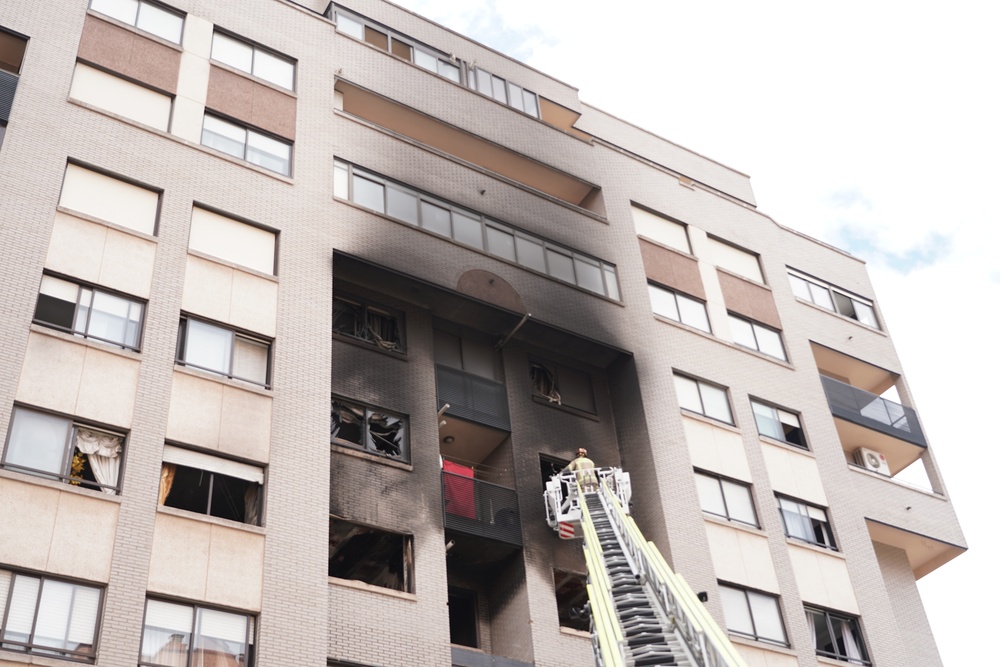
[137,20]
[89,293]
[480,79]
[702,386]
[256,52]
[682,305]
[808,289]
[801,521]
[249,136]
[758,332]
[235,337]
[755,604]
[853,625]
[785,419]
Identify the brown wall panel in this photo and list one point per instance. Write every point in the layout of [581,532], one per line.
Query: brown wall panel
[671,269]
[749,299]
[126,52]
[254,103]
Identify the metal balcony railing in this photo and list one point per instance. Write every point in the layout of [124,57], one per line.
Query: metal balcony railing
[473,397]
[860,407]
[480,508]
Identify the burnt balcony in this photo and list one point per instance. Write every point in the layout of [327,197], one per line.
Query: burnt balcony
[874,412]
[481,509]
[473,398]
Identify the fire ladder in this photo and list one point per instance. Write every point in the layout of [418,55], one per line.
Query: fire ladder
[642,613]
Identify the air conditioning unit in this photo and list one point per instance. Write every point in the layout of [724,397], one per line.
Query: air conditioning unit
[869,459]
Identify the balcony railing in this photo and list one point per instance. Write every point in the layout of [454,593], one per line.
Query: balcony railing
[480,508]
[463,657]
[473,397]
[860,407]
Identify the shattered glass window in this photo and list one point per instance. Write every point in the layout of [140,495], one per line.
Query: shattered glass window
[375,431]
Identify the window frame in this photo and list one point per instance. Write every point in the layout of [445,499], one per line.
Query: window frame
[722,480]
[182,340]
[699,383]
[826,525]
[135,24]
[345,174]
[832,291]
[257,510]
[37,649]
[382,311]
[95,289]
[754,328]
[248,131]
[250,657]
[255,47]
[407,556]
[473,83]
[677,296]
[747,592]
[66,474]
[553,368]
[365,429]
[853,622]
[754,403]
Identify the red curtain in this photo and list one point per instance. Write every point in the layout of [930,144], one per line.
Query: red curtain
[459,490]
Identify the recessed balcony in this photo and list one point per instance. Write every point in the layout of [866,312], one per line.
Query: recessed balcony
[481,509]
[473,397]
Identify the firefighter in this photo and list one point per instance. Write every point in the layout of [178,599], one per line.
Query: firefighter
[585,471]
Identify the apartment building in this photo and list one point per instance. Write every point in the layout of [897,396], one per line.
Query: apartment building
[305,301]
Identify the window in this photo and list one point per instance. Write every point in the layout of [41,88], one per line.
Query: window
[372,556]
[752,614]
[220,350]
[398,45]
[378,326]
[210,485]
[463,616]
[12,49]
[60,448]
[474,230]
[233,240]
[246,144]
[778,424]
[703,397]
[833,298]
[679,308]
[837,636]
[667,232]
[571,599]
[373,430]
[736,260]
[562,385]
[152,18]
[467,352]
[110,199]
[124,98]
[89,312]
[503,91]
[726,498]
[757,337]
[253,59]
[47,616]
[806,522]
[181,635]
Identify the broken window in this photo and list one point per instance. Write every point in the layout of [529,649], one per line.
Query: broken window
[571,599]
[371,324]
[376,431]
[463,617]
[563,385]
[210,485]
[373,556]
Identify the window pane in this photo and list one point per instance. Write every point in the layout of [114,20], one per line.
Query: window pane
[52,624]
[347,422]
[208,346]
[425,60]
[560,266]
[687,394]
[376,38]
[530,104]
[770,342]
[386,434]
[83,619]
[738,502]
[278,71]
[800,287]
[517,97]
[710,495]
[160,22]
[57,302]
[123,10]
[166,636]
[484,81]
[223,136]
[232,52]
[766,617]
[369,194]
[742,332]
[349,26]
[767,421]
[402,50]
[821,632]
[402,205]
[821,296]
[435,218]
[865,314]
[716,403]
[268,153]
[341,181]
[576,389]
[23,601]
[38,441]
[109,318]
[220,638]
[693,313]
[588,274]
[611,280]
[530,253]
[250,360]
[500,242]
[468,230]
[499,90]
[737,613]
[449,71]
[664,303]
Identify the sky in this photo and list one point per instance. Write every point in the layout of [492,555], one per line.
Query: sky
[873,126]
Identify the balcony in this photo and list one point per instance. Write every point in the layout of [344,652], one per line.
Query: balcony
[463,657]
[860,407]
[473,398]
[481,509]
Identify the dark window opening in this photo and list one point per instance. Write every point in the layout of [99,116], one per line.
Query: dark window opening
[571,600]
[375,431]
[370,555]
[562,385]
[463,617]
[372,325]
[211,493]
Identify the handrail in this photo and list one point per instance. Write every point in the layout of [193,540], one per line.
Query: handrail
[709,645]
[602,607]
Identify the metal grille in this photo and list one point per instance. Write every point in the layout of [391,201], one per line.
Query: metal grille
[871,411]
[481,508]
[463,657]
[8,86]
[472,397]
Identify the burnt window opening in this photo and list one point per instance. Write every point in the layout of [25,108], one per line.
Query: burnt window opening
[377,326]
[544,382]
[209,485]
[369,555]
[463,617]
[375,431]
[571,600]
[562,385]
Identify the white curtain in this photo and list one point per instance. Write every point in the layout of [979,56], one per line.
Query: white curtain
[850,645]
[103,453]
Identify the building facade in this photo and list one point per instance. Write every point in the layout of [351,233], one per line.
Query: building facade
[304,302]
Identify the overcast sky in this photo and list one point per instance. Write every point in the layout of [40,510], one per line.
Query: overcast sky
[869,125]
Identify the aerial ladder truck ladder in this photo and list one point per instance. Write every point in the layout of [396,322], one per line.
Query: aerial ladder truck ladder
[642,613]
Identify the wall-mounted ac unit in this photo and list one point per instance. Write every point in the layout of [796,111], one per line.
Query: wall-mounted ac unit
[869,459]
